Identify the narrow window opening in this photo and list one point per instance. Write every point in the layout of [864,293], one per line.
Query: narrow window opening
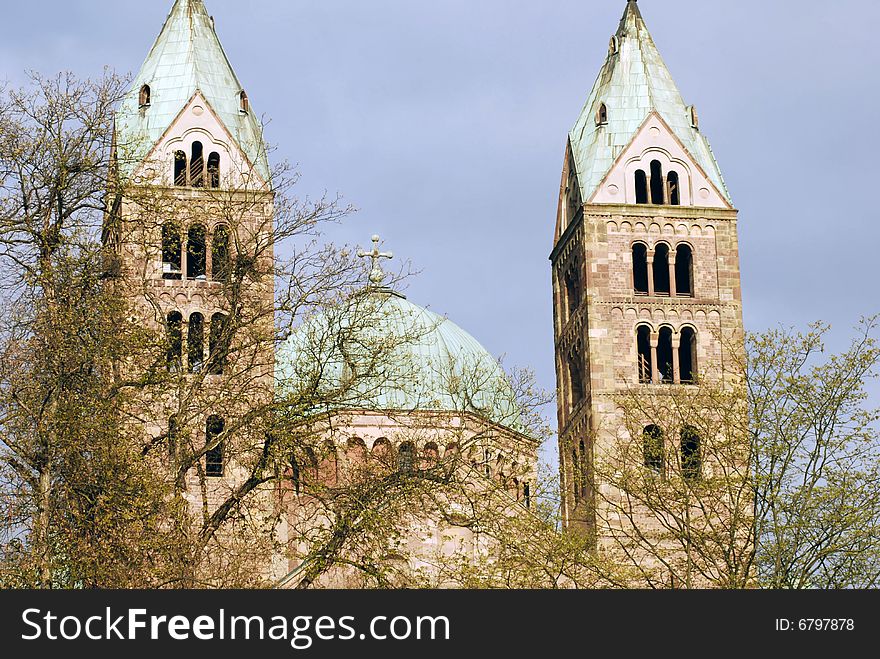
[175,340]
[576,378]
[640,268]
[572,290]
[214,466]
[243,102]
[652,448]
[196,261]
[171,252]
[684,271]
[195,341]
[643,340]
[430,455]
[197,166]
[406,457]
[575,475]
[582,468]
[664,356]
[173,438]
[382,452]
[356,454]
[527,495]
[687,356]
[674,192]
[220,264]
[144,98]
[641,187]
[328,468]
[218,348]
[695,118]
[661,269]
[691,460]
[656,183]
[602,115]
[214,170]
[180,168]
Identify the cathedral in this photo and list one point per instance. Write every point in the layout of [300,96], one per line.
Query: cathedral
[645,287]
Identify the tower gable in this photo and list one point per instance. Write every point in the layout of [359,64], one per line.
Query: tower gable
[655,142]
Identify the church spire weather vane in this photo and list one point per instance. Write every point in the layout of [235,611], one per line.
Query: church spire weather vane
[377,275]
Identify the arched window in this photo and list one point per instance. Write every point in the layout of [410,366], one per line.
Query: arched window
[641,187]
[309,468]
[174,329]
[664,356]
[575,475]
[691,460]
[674,194]
[243,103]
[214,170]
[640,268]
[218,344]
[684,271]
[646,365]
[582,469]
[602,115]
[180,168]
[195,341]
[661,269]
[328,474]
[173,437]
[197,166]
[406,457]
[430,455]
[687,356]
[220,265]
[214,466]
[572,290]
[144,97]
[171,251]
[657,185]
[356,453]
[527,495]
[196,261]
[652,448]
[383,452]
[576,378]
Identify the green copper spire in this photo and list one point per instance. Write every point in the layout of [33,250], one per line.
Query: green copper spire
[633,82]
[187,57]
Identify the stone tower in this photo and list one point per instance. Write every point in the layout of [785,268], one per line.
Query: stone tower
[192,222]
[646,281]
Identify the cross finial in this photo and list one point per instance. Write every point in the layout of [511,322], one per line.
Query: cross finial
[376,273]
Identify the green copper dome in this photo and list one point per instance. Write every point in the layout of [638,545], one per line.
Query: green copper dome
[378,351]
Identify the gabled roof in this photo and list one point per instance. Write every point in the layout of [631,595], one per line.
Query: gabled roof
[633,82]
[188,57]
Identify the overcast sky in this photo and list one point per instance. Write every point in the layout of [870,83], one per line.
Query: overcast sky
[445,123]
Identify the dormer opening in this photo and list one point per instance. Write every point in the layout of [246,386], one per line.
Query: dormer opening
[694,117]
[144,97]
[614,45]
[602,115]
[243,104]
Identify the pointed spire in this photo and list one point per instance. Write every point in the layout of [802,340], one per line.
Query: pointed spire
[633,82]
[188,57]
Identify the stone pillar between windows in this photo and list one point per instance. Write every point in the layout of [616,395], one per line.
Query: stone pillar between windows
[655,369]
[209,266]
[672,291]
[676,370]
[650,260]
[184,248]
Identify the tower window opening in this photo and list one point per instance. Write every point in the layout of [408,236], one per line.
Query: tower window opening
[674,195]
[406,457]
[197,166]
[684,271]
[173,437]
[430,455]
[328,467]
[576,379]
[687,356]
[652,448]
[218,344]
[640,268]
[582,469]
[383,452]
[572,290]
[691,459]
[641,187]
[195,341]
[214,170]
[575,475]
[665,363]
[646,364]
[695,118]
[661,269]
[172,250]
[356,453]
[657,183]
[220,262]
[527,495]
[196,258]
[602,115]
[174,331]
[180,170]
[214,463]
[144,97]
[244,104]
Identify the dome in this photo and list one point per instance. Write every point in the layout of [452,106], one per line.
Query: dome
[379,351]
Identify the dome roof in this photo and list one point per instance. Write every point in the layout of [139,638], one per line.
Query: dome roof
[378,351]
